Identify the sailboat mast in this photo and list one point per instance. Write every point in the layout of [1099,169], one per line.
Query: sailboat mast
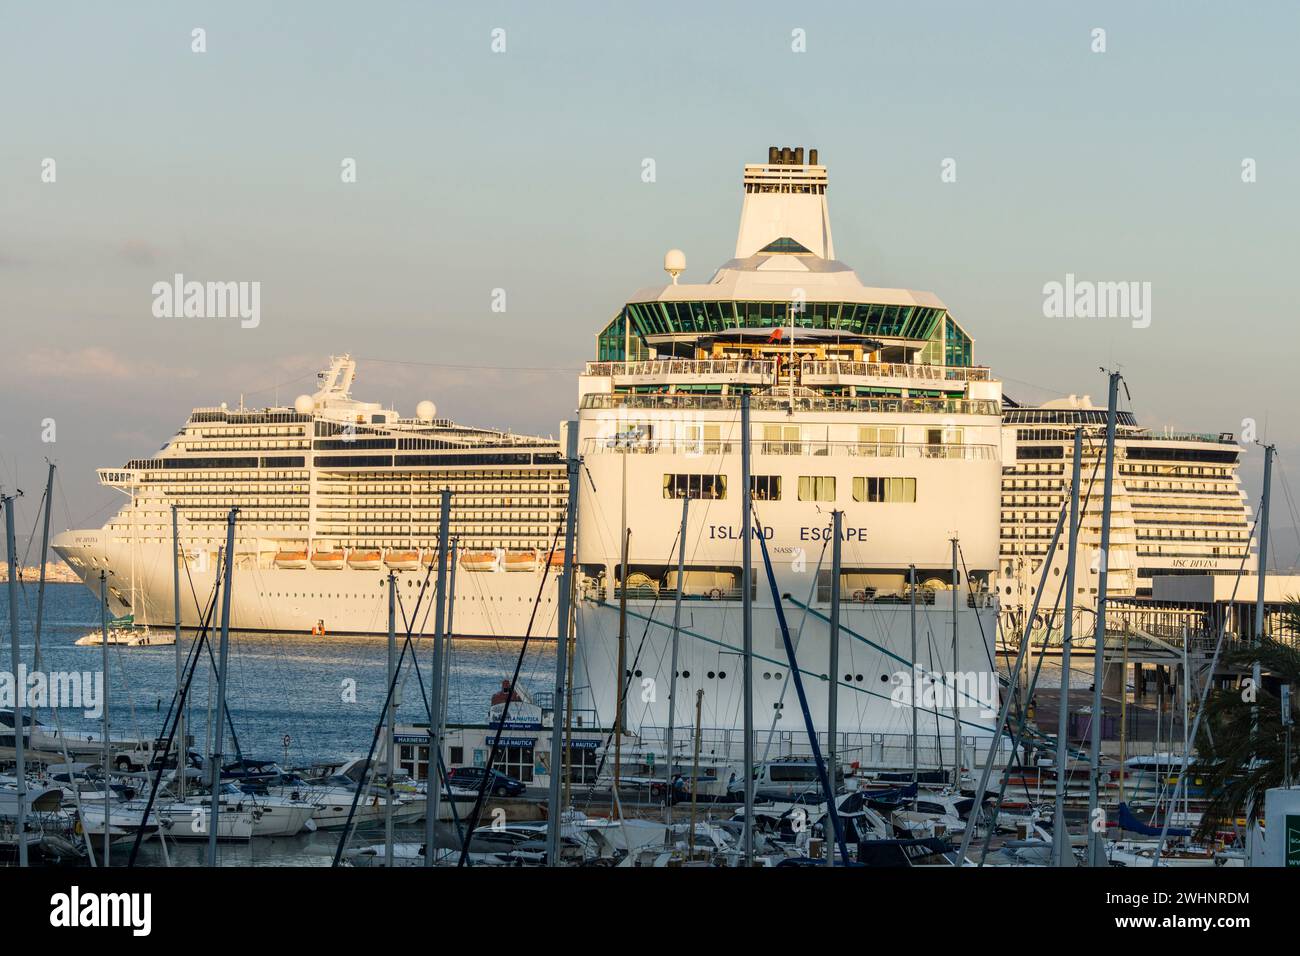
[912,676]
[20,765]
[1060,835]
[1261,574]
[219,735]
[1095,846]
[107,756]
[672,675]
[433,786]
[620,703]
[833,672]
[182,751]
[956,679]
[554,809]
[391,733]
[45,545]
[747,626]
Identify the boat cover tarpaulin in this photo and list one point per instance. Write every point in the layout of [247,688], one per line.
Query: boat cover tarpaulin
[1127,821]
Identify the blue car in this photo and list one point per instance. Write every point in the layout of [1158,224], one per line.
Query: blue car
[499,785]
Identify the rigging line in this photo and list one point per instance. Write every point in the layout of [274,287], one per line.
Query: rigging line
[1200,707]
[505,710]
[367,781]
[182,764]
[827,788]
[798,639]
[938,738]
[1022,720]
[625,680]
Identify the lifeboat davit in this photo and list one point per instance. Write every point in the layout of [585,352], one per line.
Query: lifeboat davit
[291,559]
[479,560]
[402,560]
[364,560]
[327,560]
[521,560]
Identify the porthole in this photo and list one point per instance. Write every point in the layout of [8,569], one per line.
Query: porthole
[711,675]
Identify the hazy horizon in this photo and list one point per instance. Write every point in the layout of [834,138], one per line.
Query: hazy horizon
[522,170]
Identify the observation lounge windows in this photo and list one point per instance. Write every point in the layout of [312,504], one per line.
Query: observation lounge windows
[712,487]
[765,487]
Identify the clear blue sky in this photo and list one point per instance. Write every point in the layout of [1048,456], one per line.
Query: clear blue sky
[521,171]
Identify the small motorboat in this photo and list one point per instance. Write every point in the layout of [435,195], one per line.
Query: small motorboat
[479,560]
[521,560]
[403,560]
[364,560]
[327,560]
[291,559]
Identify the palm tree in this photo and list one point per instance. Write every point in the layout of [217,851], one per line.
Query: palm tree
[1242,743]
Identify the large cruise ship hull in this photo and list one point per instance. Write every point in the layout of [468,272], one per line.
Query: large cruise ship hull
[487,604]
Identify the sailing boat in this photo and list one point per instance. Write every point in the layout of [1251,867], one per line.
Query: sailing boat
[123,631]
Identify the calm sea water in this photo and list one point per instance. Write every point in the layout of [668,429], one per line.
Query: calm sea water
[324,693]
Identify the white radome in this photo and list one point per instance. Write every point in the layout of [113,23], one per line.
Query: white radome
[426,410]
[674,262]
[304,404]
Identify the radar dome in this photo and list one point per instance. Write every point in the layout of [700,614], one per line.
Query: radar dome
[674,263]
[426,410]
[304,404]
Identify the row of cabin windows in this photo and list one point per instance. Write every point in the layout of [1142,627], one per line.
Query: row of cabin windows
[811,488]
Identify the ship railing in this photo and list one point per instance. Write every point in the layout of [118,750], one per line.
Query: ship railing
[901,370]
[704,447]
[849,596]
[683,368]
[868,751]
[806,403]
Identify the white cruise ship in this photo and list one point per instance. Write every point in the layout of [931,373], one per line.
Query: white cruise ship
[1178,505]
[864,400]
[332,493]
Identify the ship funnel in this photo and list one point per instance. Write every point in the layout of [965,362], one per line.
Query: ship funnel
[785,199]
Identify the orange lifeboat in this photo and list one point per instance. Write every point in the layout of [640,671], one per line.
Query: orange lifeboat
[327,560]
[521,560]
[291,559]
[402,560]
[364,560]
[479,560]
[556,559]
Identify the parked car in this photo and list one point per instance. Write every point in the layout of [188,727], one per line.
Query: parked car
[499,785]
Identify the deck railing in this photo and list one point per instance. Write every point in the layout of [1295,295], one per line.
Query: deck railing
[800,403]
